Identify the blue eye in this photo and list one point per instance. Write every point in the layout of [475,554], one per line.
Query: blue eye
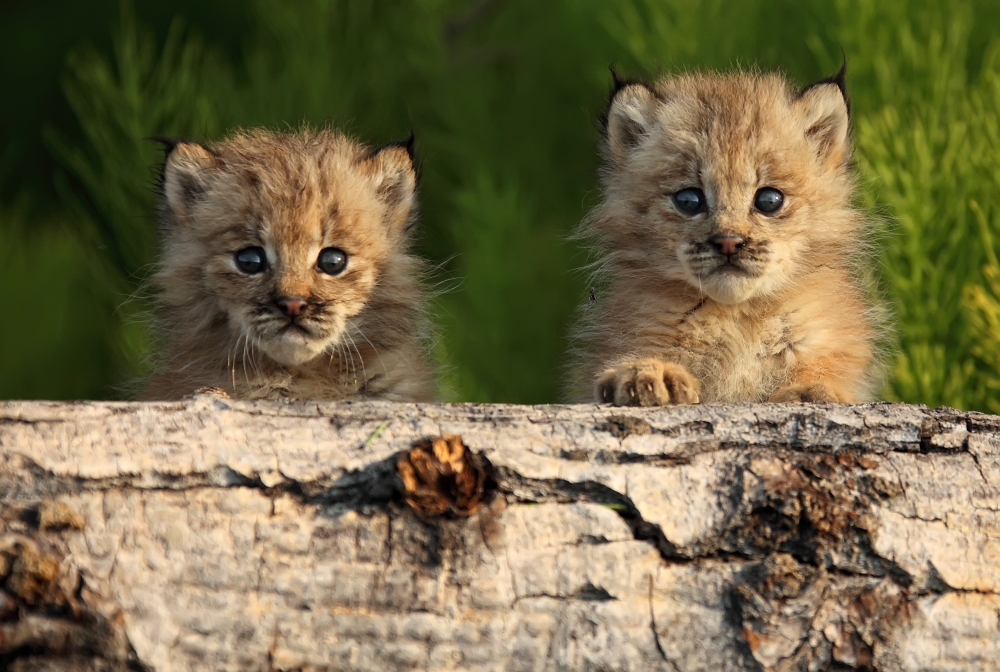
[332,261]
[251,260]
[690,200]
[768,200]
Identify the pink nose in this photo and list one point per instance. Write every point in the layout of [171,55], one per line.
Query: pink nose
[291,307]
[727,243]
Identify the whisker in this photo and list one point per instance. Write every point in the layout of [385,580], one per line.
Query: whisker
[364,374]
[255,351]
[374,349]
[344,365]
[353,375]
[246,376]
[232,359]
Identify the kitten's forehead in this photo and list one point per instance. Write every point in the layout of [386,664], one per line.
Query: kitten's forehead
[726,129]
[724,113]
[299,192]
[293,173]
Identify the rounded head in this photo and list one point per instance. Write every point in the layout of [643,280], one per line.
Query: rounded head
[281,237]
[732,183]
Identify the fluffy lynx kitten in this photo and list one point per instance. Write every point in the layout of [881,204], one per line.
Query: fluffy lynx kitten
[285,270]
[728,244]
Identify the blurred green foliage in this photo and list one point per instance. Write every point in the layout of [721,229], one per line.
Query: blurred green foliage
[504,97]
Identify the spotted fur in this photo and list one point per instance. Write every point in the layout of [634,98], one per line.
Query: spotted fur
[358,334]
[782,319]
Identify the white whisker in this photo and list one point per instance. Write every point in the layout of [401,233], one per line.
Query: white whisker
[246,343]
[361,359]
[375,350]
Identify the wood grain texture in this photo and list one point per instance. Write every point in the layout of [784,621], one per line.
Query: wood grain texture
[224,535]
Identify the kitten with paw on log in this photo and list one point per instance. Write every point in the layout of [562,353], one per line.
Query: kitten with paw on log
[728,247]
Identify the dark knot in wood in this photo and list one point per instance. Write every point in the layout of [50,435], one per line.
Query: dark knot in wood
[442,476]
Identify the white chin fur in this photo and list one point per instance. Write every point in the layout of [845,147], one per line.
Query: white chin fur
[730,289]
[293,348]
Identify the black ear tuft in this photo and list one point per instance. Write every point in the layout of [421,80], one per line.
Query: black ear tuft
[410,142]
[187,171]
[618,82]
[628,117]
[394,174]
[825,115]
[407,144]
[167,143]
[410,146]
[840,79]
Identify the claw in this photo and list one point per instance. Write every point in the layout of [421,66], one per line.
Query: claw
[647,382]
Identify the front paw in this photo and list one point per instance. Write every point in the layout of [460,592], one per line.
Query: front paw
[647,382]
[812,393]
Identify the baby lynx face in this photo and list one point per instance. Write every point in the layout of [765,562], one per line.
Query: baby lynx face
[727,177]
[728,242]
[275,244]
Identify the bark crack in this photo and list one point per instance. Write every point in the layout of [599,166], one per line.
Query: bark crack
[559,490]
[656,634]
[979,467]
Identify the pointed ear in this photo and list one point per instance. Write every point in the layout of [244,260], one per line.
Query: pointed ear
[392,170]
[825,115]
[628,118]
[186,171]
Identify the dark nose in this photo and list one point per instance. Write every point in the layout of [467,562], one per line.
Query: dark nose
[727,243]
[291,306]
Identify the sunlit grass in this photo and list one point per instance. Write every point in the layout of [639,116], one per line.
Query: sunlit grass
[504,98]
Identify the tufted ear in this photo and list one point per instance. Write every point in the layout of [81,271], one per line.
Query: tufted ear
[628,118]
[825,115]
[395,177]
[186,171]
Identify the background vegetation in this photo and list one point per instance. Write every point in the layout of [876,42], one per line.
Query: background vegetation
[504,97]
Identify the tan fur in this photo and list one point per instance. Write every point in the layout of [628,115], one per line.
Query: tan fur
[788,321]
[361,332]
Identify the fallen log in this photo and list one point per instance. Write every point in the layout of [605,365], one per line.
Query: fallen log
[212,534]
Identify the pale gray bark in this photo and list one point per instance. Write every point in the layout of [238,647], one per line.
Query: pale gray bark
[219,535]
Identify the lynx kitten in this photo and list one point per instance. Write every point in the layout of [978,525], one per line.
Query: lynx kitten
[285,270]
[729,247]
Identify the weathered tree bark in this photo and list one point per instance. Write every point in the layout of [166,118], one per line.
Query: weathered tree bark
[219,535]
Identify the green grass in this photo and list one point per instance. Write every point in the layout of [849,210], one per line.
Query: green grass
[928,138]
[504,98]
[55,340]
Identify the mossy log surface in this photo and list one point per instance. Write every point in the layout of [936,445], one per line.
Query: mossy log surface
[211,534]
